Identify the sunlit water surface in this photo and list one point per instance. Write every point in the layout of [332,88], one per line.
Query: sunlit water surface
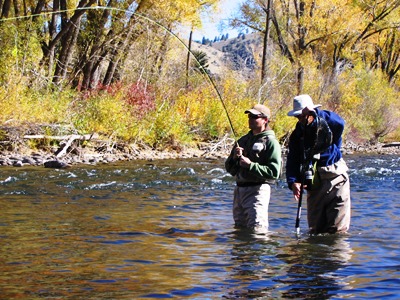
[164,229]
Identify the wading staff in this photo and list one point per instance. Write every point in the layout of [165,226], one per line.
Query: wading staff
[305,175]
[299,205]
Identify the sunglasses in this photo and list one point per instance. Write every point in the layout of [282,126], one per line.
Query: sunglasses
[254,116]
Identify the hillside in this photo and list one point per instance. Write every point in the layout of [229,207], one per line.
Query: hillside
[217,60]
[235,53]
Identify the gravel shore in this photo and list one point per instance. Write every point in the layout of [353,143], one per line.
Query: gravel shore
[92,156]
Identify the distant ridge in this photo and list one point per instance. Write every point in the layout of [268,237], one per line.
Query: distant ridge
[231,54]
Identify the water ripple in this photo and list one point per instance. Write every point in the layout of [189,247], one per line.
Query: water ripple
[165,230]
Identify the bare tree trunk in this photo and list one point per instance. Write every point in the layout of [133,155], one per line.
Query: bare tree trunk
[281,41]
[39,8]
[159,60]
[50,53]
[266,37]
[16,8]
[67,44]
[5,11]
[95,76]
[393,57]
[92,64]
[25,8]
[99,48]
[115,57]
[301,46]
[48,49]
[300,79]
[87,71]
[70,49]
[112,66]
[188,58]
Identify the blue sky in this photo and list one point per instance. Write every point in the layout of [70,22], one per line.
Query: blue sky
[211,25]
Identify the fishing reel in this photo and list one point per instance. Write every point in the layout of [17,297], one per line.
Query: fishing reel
[308,177]
[310,172]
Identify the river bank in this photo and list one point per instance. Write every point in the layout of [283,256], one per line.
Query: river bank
[88,155]
[51,158]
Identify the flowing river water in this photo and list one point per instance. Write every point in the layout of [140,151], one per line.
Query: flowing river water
[164,229]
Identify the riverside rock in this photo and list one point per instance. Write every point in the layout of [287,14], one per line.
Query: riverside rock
[56,164]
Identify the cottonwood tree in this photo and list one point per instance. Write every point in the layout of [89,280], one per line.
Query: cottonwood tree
[330,33]
[387,54]
[379,39]
[84,43]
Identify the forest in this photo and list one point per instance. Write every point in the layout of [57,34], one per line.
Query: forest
[124,69]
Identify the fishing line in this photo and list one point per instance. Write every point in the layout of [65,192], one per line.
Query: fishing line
[151,21]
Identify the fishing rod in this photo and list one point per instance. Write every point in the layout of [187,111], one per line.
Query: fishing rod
[208,76]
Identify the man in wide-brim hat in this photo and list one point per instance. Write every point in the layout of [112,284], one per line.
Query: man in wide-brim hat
[315,146]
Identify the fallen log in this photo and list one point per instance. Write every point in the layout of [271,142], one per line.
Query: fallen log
[85,137]
[394,144]
[67,140]
[64,146]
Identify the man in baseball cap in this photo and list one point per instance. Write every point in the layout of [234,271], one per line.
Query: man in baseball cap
[259,109]
[255,162]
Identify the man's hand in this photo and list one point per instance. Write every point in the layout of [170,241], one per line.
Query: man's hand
[238,152]
[296,189]
[245,162]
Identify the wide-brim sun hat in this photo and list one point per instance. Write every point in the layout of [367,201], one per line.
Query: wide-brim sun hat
[259,109]
[300,102]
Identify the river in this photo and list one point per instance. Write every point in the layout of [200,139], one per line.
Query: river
[164,229]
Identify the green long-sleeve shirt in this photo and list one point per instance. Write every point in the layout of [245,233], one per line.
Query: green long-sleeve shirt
[265,153]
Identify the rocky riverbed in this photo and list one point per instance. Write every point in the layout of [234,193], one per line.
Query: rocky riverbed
[51,158]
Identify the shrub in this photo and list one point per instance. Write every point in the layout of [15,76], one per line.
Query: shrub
[23,105]
[140,98]
[370,104]
[165,128]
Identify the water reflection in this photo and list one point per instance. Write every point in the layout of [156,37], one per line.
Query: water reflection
[267,267]
[311,266]
[253,257]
